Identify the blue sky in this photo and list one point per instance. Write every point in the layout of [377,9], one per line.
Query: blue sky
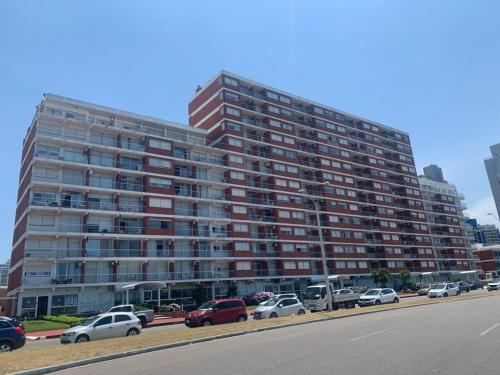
[430,68]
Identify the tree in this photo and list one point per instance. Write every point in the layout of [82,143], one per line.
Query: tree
[199,294]
[381,276]
[405,277]
[232,290]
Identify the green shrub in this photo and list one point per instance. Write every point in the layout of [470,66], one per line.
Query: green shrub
[62,319]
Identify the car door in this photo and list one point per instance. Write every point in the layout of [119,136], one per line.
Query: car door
[385,296]
[121,325]
[102,328]
[220,313]
[286,307]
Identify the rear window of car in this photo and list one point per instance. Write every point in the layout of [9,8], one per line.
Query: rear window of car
[121,318]
[4,324]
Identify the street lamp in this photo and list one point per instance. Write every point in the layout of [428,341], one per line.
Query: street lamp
[322,247]
[490,214]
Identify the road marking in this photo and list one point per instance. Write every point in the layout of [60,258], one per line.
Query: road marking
[489,329]
[368,335]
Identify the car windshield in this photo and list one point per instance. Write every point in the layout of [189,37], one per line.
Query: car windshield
[89,321]
[207,306]
[313,293]
[373,292]
[271,301]
[439,286]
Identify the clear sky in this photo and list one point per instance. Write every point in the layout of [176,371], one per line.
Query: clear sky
[428,67]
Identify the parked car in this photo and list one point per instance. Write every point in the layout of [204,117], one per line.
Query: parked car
[257,297]
[464,287]
[274,308]
[104,326]
[12,335]
[493,285]
[444,290]
[145,316]
[476,284]
[277,297]
[424,290]
[217,312]
[377,296]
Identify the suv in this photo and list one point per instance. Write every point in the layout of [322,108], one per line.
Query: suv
[217,312]
[444,290]
[464,287]
[12,334]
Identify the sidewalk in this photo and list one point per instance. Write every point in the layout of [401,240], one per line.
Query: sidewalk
[53,334]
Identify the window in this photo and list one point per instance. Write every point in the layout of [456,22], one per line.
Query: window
[230,81]
[237,175]
[160,203]
[282,197]
[158,224]
[294,185]
[233,111]
[243,266]
[289,265]
[273,109]
[298,215]
[235,159]
[288,247]
[362,265]
[235,142]
[279,167]
[156,143]
[122,318]
[299,231]
[240,227]
[280,182]
[159,163]
[272,95]
[291,169]
[103,321]
[238,192]
[340,265]
[303,265]
[240,210]
[284,214]
[242,246]
[160,182]
[286,231]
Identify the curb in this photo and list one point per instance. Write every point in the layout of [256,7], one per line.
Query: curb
[84,362]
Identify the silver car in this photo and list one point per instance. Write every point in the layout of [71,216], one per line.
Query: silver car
[103,326]
[277,308]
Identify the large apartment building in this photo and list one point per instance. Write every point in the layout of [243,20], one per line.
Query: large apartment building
[109,199]
[447,223]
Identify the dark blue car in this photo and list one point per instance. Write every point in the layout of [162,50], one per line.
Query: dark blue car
[11,334]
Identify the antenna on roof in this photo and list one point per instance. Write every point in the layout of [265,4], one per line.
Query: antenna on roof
[198,88]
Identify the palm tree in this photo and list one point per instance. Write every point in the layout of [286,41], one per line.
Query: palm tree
[381,276]
[405,276]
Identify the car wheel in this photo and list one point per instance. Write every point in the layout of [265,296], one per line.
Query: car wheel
[458,292]
[273,315]
[241,319]
[396,300]
[144,322]
[6,346]
[207,323]
[133,332]
[82,338]
[377,302]
[301,312]
[445,295]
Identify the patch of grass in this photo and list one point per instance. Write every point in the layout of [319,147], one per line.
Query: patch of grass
[40,356]
[42,325]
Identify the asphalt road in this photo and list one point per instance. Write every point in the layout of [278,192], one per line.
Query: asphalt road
[457,338]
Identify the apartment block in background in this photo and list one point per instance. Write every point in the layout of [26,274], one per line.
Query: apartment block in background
[110,199]
[485,235]
[488,259]
[447,227]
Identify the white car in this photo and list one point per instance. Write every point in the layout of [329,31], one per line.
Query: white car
[277,308]
[277,297]
[444,290]
[494,285]
[377,296]
[103,326]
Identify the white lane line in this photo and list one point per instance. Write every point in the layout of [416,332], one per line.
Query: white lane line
[489,329]
[368,335]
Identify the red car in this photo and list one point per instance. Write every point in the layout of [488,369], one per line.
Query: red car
[217,312]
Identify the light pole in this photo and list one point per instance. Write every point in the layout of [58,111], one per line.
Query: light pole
[490,214]
[322,247]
